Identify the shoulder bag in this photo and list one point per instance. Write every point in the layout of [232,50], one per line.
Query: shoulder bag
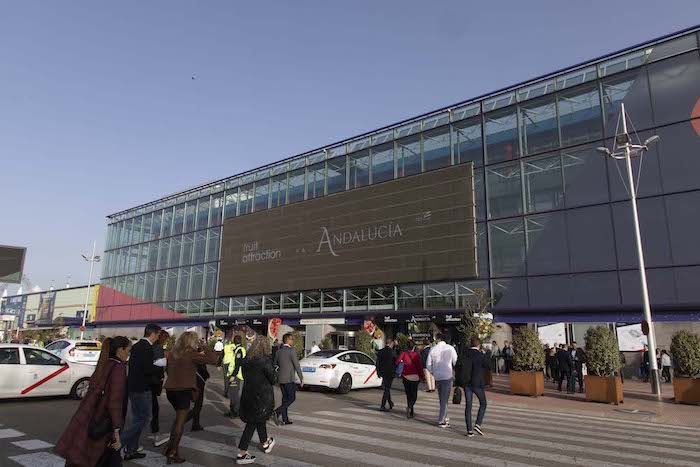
[100,424]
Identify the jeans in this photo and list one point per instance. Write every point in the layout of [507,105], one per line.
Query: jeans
[429,380]
[235,390]
[226,379]
[469,395]
[248,434]
[444,388]
[566,374]
[411,389]
[289,394]
[666,373]
[197,409]
[139,416]
[386,385]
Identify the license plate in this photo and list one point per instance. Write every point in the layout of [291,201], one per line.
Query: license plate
[308,369]
[89,354]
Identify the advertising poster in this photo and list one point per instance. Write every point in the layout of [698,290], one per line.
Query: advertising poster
[273,327]
[631,338]
[553,334]
[47,300]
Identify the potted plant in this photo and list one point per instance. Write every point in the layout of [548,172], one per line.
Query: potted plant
[603,383]
[526,376]
[685,349]
[477,321]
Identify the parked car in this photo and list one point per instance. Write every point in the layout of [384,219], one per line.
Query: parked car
[341,370]
[79,351]
[30,371]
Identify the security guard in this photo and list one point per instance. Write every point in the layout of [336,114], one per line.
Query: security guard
[235,377]
[226,359]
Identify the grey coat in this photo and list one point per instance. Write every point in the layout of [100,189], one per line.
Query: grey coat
[288,362]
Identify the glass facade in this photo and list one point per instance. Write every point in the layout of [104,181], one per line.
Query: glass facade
[553,220]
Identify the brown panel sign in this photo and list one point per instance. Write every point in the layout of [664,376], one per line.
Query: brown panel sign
[414,229]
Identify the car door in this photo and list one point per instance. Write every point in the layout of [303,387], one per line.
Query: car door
[370,378]
[358,370]
[45,374]
[10,372]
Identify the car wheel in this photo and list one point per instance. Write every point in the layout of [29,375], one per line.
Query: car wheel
[345,384]
[80,389]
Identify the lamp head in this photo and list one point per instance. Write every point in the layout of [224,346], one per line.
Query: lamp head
[652,140]
[603,150]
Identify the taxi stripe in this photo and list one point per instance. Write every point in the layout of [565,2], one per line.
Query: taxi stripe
[370,375]
[42,381]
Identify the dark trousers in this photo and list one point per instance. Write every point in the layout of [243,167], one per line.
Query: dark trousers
[196,411]
[508,364]
[469,395]
[579,376]
[666,373]
[156,389]
[566,374]
[555,373]
[247,435]
[226,380]
[386,385]
[235,389]
[411,389]
[289,394]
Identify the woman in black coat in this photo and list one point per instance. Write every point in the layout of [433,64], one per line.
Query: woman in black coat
[257,399]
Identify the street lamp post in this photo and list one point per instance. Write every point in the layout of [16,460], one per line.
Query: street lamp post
[92,260]
[629,150]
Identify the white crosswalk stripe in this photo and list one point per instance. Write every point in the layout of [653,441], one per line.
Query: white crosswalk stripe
[32,444]
[39,459]
[10,433]
[154,459]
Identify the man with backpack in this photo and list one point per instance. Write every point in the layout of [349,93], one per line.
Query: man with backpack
[469,373]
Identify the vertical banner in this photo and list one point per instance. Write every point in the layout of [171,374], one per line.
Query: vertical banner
[47,300]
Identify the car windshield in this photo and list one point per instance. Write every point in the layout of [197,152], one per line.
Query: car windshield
[325,354]
[87,345]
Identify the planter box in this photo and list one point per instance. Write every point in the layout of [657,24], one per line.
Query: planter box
[603,389]
[526,383]
[488,378]
[686,390]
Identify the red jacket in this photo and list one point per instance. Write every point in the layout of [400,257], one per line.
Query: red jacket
[412,364]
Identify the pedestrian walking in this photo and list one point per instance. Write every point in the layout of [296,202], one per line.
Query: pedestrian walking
[275,348]
[507,354]
[441,361]
[428,376]
[411,375]
[554,364]
[495,358]
[469,374]
[386,370]
[644,367]
[181,386]
[666,366]
[104,400]
[157,388]
[141,369]
[226,359]
[579,357]
[196,412]
[258,399]
[235,377]
[287,362]
[315,348]
[566,365]
[218,346]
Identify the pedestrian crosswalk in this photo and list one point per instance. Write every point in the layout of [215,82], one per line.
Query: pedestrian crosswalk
[350,431]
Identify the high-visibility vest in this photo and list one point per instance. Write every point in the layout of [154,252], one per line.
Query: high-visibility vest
[228,353]
[236,351]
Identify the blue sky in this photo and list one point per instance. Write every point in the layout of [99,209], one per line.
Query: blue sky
[98,111]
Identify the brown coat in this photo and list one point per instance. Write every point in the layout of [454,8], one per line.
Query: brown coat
[182,372]
[75,446]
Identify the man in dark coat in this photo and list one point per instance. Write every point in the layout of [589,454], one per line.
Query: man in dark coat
[566,365]
[287,361]
[386,370]
[579,357]
[470,371]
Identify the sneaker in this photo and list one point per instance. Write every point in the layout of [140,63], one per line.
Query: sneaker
[470,435]
[444,425]
[477,428]
[141,448]
[134,455]
[197,428]
[246,459]
[267,449]
[159,440]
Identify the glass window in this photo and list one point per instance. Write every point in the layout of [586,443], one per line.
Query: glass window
[547,247]
[40,357]
[687,280]
[200,246]
[143,260]
[673,47]
[164,248]
[136,229]
[203,213]
[213,245]
[440,296]
[290,302]
[197,279]
[157,224]
[175,249]
[593,289]
[129,285]
[262,194]
[661,283]
[315,181]
[231,207]
[479,194]
[410,297]
[133,259]
[504,190]
[408,156]
[183,285]
[482,252]
[550,291]
[126,233]
[245,200]
[467,142]
[139,286]
[680,157]
[509,293]
[359,169]
[684,225]
[167,222]
[210,281]
[311,301]
[357,298]
[146,233]
[160,286]
[501,131]
[194,308]
[179,219]
[382,163]
[171,287]
[296,186]
[150,286]
[382,297]
[153,256]
[279,191]
[187,247]
[652,221]
[217,205]
[337,177]
[222,306]
[591,239]
[207,307]
[538,125]
[585,180]
[191,216]
[579,115]
[436,148]
[675,87]
[507,243]
[632,89]
[544,189]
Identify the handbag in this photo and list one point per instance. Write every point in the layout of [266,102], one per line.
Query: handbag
[110,458]
[457,396]
[399,369]
[100,424]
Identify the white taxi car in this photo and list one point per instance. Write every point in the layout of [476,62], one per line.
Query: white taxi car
[79,351]
[341,370]
[29,371]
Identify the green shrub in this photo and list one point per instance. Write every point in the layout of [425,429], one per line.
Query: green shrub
[528,351]
[363,343]
[298,343]
[402,339]
[685,349]
[602,352]
[326,343]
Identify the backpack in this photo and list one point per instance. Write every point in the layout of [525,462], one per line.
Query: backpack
[463,370]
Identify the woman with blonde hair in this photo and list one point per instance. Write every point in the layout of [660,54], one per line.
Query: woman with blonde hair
[181,385]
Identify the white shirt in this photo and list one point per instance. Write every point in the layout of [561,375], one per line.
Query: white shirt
[665,360]
[315,349]
[441,359]
[219,346]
